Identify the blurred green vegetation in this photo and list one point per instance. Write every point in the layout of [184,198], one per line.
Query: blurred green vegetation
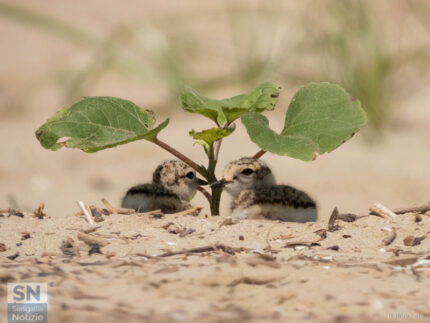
[356,52]
[339,41]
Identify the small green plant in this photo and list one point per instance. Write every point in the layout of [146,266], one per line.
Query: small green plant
[320,117]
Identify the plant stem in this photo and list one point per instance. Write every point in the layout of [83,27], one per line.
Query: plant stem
[216,198]
[205,193]
[216,192]
[212,164]
[259,154]
[203,171]
[217,148]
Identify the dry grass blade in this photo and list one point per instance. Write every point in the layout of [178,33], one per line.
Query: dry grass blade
[86,212]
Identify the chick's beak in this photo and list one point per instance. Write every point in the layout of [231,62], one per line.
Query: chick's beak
[221,183]
[201,182]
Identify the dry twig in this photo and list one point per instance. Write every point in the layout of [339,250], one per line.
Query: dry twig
[114,210]
[382,211]
[215,247]
[205,193]
[195,211]
[416,209]
[92,239]
[86,213]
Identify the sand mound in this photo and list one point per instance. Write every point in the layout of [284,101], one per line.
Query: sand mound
[180,268]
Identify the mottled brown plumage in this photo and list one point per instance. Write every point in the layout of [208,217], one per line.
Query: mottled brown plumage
[174,184]
[255,194]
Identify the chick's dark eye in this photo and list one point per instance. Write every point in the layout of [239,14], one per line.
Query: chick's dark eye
[247,171]
[190,175]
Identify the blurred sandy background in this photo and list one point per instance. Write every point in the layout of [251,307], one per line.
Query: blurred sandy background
[54,52]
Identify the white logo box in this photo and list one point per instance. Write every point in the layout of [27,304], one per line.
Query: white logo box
[24,293]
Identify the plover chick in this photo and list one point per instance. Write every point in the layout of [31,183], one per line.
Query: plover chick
[174,184]
[256,196]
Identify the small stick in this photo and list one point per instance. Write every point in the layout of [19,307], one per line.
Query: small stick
[416,209]
[259,154]
[117,210]
[92,240]
[382,211]
[91,229]
[153,212]
[108,206]
[388,240]
[203,171]
[215,247]
[205,193]
[86,212]
[114,210]
[194,211]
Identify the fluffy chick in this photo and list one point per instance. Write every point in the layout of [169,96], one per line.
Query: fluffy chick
[174,184]
[256,195]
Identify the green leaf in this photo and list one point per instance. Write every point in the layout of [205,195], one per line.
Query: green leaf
[97,123]
[320,117]
[263,97]
[207,137]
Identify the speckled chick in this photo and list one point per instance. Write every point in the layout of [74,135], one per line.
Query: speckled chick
[256,195]
[174,184]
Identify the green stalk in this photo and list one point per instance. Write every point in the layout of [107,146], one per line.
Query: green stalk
[216,192]
[215,202]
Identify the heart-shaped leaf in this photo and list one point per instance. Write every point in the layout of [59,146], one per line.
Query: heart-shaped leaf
[263,97]
[97,123]
[321,117]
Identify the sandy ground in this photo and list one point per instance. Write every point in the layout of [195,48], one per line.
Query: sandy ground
[261,270]
[352,284]
[258,278]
